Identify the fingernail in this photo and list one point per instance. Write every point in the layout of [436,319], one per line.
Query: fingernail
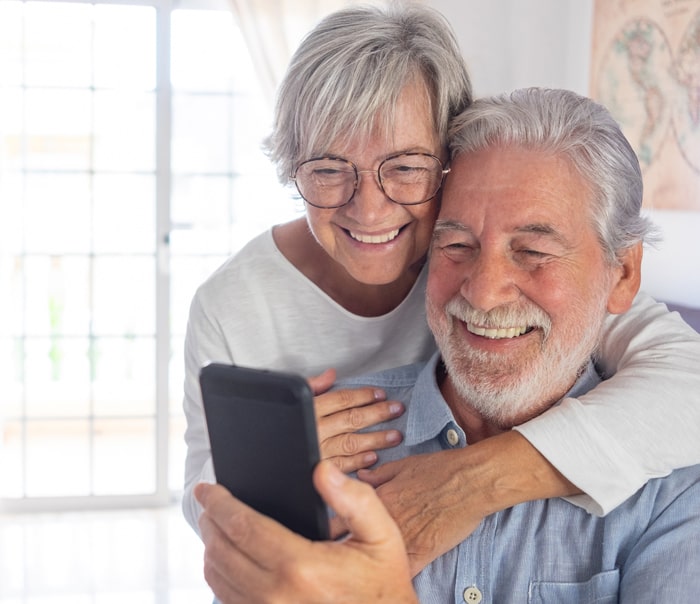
[364,473]
[393,436]
[396,408]
[370,458]
[379,395]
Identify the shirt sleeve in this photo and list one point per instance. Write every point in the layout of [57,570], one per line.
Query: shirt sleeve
[203,343]
[641,423]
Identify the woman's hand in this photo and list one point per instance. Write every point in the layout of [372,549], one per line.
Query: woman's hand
[341,413]
[430,497]
[438,499]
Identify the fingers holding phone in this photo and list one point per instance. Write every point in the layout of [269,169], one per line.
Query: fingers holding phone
[252,559]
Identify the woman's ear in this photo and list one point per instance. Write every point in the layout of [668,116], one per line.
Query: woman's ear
[628,275]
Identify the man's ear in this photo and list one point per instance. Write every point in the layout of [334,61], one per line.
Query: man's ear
[628,276]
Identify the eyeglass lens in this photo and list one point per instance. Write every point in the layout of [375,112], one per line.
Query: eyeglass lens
[406,179]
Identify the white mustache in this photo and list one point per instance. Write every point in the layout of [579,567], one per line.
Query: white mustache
[501,317]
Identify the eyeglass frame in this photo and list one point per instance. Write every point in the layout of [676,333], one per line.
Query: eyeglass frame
[378,178]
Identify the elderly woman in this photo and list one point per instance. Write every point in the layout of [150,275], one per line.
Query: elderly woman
[361,130]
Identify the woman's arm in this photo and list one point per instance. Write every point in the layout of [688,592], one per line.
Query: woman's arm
[642,422]
[438,499]
[340,414]
[203,342]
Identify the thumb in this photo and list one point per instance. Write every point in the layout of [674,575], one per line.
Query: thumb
[356,504]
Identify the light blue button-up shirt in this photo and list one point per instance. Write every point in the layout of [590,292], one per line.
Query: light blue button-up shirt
[646,550]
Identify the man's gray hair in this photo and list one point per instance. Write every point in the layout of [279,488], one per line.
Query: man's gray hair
[563,123]
[349,71]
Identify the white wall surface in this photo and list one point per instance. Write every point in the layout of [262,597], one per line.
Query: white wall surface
[515,43]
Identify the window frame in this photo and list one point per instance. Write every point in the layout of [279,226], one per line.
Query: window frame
[162,495]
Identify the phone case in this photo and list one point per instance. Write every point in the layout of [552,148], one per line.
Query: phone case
[262,431]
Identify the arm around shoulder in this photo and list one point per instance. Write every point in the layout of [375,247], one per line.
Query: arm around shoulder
[642,422]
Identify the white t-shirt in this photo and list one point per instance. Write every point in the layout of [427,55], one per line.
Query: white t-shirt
[258,310]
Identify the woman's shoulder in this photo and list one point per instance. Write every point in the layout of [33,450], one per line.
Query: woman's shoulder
[256,262]
[257,257]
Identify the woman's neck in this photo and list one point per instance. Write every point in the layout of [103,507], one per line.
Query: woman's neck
[298,245]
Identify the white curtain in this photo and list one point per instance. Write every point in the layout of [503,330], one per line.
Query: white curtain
[274,28]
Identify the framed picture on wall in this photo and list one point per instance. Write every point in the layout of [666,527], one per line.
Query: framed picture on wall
[646,69]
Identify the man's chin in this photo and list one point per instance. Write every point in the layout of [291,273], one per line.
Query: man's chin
[507,394]
[499,403]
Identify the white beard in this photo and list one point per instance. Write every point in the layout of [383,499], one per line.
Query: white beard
[507,389]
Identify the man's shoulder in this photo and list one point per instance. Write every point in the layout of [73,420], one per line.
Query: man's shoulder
[678,482]
[675,491]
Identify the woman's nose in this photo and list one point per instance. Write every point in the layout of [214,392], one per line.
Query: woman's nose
[369,202]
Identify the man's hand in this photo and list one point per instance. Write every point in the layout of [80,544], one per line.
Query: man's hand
[341,413]
[249,558]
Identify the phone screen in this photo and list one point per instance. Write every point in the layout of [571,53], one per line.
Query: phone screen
[264,445]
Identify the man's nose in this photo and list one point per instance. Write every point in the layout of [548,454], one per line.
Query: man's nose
[491,281]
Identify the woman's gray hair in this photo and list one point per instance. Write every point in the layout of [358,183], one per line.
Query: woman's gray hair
[349,71]
[563,123]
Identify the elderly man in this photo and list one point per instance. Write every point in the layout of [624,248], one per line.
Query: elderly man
[539,237]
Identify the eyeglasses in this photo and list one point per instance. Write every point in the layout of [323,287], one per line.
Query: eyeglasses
[407,179]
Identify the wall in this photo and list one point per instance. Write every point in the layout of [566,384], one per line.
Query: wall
[514,43]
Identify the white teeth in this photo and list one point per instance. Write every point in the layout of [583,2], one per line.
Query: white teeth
[375,238]
[496,334]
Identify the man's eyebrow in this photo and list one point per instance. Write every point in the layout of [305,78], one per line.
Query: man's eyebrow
[539,228]
[536,228]
[544,229]
[442,226]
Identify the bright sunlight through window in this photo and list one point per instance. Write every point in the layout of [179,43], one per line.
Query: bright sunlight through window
[130,167]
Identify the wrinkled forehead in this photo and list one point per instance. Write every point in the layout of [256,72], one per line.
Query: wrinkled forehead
[517,184]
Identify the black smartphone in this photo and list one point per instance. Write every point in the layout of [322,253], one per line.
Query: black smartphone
[264,446]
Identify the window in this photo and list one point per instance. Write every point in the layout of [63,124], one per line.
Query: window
[129,169]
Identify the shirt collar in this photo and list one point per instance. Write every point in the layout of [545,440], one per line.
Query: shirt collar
[428,412]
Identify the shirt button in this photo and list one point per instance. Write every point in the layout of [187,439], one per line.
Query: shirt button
[472,595]
[452,437]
